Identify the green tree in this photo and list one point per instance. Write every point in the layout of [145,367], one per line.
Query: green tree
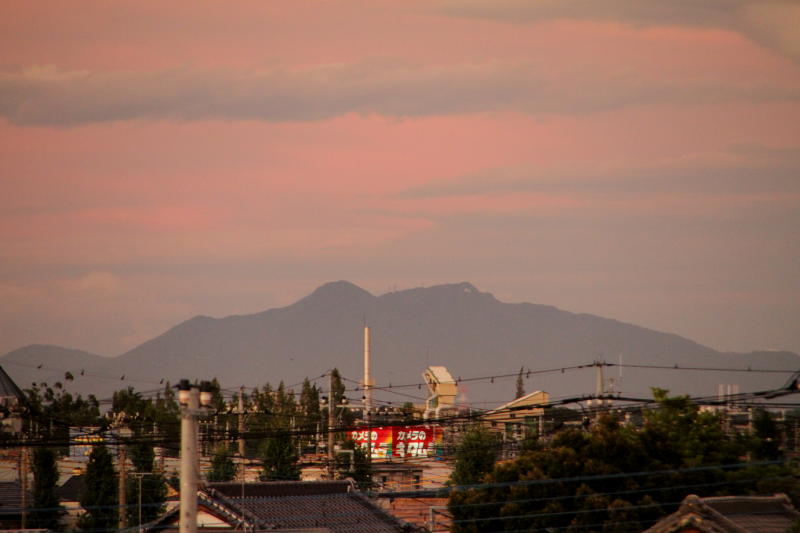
[47,509]
[222,465]
[520,385]
[279,456]
[154,489]
[52,411]
[344,416]
[99,497]
[407,411]
[361,471]
[309,416]
[577,481]
[766,435]
[338,392]
[475,456]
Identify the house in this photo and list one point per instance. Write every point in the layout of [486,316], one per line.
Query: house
[296,506]
[730,514]
[397,475]
[423,512]
[514,418]
[69,496]
[442,389]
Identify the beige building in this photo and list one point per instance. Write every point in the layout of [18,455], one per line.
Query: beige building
[442,389]
[516,417]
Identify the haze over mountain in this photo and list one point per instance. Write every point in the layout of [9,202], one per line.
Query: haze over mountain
[455,325]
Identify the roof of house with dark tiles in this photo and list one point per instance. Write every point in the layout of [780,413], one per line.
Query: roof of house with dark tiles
[10,497]
[302,505]
[9,389]
[730,514]
[281,488]
[71,490]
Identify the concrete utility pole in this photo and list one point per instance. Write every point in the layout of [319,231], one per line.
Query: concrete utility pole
[599,380]
[190,397]
[23,484]
[123,485]
[331,423]
[188,519]
[367,372]
[241,422]
[367,392]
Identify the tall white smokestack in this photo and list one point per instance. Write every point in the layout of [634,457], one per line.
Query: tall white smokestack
[367,376]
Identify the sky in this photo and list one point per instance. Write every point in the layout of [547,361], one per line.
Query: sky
[634,160]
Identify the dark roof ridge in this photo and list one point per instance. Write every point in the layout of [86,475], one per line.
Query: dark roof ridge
[701,514]
[695,504]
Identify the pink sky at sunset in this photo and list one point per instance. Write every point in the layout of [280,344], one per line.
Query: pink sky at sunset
[640,161]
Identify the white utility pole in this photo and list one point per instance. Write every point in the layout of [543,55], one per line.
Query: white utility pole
[367,391]
[190,397]
[188,517]
[367,374]
[331,422]
[241,422]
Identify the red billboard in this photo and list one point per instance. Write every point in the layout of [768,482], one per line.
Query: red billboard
[399,441]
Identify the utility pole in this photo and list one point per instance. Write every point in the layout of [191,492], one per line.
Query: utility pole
[331,422]
[367,392]
[599,388]
[121,432]
[599,380]
[241,421]
[23,484]
[190,397]
[140,475]
[123,485]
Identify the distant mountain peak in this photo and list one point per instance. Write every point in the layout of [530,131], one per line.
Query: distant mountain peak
[464,286]
[337,291]
[446,290]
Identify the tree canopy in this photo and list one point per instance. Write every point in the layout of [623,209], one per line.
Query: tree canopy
[100,494]
[152,483]
[46,508]
[616,476]
[475,455]
[222,465]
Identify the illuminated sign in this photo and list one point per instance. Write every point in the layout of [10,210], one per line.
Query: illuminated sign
[399,441]
[81,441]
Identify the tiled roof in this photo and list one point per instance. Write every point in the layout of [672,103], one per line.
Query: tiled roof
[10,497]
[71,490]
[281,488]
[349,512]
[730,514]
[303,504]
[9,389]
[306,505]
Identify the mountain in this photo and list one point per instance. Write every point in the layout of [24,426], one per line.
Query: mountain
[47,363]
[456,325]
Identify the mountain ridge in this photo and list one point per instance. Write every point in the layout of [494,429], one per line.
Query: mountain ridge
[454,324]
